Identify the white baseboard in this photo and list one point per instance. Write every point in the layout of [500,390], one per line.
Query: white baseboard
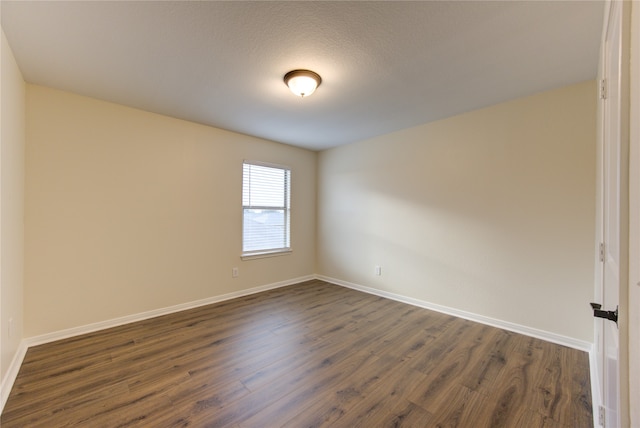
[102,325]
[506,325]
[516,328]
[12,373]
[25,344]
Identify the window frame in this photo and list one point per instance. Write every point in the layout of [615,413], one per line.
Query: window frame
[269,252]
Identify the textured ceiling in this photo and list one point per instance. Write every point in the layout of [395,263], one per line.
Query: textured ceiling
[385,65]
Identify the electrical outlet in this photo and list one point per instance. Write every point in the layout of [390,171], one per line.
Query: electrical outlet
[234,272]
[10,328]
[378,271]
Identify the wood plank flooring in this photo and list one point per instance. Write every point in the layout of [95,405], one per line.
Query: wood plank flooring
[308,355]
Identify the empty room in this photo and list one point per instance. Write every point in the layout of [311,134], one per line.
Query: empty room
[320,214]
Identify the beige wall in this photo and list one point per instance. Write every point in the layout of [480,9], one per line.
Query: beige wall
[12,123]
[490,212]
[128,211]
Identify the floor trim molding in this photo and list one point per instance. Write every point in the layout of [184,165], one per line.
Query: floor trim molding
[102,325]
[506,325]
[12,373]
[516,328]
[25,344]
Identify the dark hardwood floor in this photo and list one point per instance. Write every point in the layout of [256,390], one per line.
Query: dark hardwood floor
[308,355]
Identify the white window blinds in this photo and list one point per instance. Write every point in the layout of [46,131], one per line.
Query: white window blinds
[266,207]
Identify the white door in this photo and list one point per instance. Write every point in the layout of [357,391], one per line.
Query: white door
[613,205]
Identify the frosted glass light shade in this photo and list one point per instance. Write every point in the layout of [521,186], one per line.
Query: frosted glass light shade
[302,82]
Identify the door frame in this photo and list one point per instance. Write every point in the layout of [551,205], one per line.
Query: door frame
[626,203]
[634,220]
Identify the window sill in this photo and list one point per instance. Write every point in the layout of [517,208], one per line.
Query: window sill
[262,255]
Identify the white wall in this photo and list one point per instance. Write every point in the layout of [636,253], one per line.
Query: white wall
[12,141]
[490,212]
[128,211]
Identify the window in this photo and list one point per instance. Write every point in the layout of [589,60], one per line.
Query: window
[266,197]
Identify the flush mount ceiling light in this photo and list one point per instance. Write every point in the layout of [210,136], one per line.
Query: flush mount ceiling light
[302,82]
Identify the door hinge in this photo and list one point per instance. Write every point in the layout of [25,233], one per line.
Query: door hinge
[601,419]
[602,251]
[603,89]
